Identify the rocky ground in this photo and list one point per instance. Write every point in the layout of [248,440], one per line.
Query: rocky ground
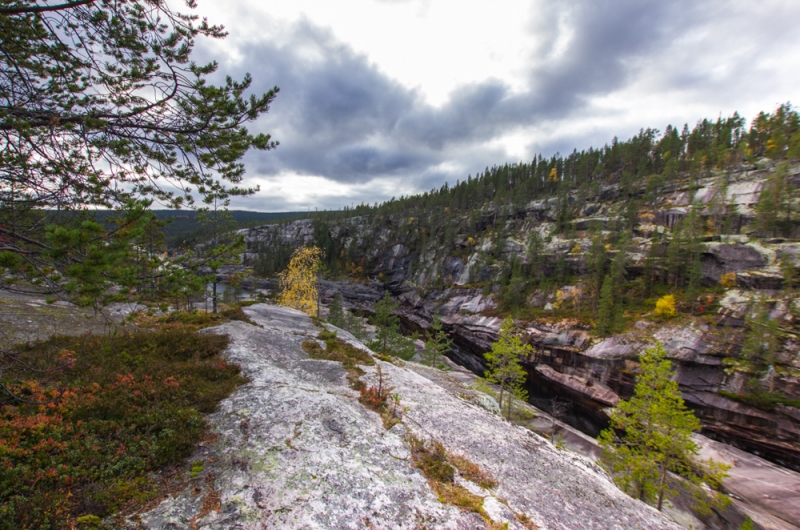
[295,449]
[28,317]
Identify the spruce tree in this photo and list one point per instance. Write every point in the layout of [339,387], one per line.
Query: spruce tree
[763,338]
[596,262]
[336,312]
[650,436]
[605,310]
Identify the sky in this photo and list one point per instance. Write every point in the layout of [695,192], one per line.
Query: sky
[383,98]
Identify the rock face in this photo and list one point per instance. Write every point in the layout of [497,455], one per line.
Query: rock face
[295,449]
[431,273]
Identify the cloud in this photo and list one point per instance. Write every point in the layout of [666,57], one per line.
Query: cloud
[596,69]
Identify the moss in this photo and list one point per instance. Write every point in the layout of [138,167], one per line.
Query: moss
[456,495]
[313,349]
[197,468]
[432,460]
[525,521]
[326,334]
[88,521]
[439,467]
[336,350]
[470,471]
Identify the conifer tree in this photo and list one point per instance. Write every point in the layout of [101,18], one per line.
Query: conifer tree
[336,312]
[388,339]
[763,338]
[105,107]
[650,436]
[437,345]
[596,262]
[605,310]
[503,361]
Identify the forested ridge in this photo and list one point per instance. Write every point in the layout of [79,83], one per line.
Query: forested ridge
[644,162]
[634,174]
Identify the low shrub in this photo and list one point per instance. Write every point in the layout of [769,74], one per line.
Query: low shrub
[236,313]
[88,420]
[665,307]
[337,350]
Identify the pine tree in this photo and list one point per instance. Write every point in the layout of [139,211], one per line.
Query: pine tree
[503,361]
[336,312]
[675,255]
[438,344]
[650,436]
[105,107]
[388,339]
[605,310]
[763,338]
[596,262]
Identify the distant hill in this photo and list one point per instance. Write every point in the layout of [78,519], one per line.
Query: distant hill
[184,230]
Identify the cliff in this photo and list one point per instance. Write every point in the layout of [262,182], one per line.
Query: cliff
[463,275]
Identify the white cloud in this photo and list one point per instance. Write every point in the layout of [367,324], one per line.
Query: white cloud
[383,98]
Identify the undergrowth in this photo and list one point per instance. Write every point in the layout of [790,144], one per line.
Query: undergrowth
[199,319]
[378,399]
[89,419]
[336,350]
[439,467]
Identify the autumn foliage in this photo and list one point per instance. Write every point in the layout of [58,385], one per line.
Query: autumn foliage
[299,280]
[665,307]
[81,437]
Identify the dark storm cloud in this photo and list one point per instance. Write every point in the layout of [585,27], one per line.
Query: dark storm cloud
[340,117]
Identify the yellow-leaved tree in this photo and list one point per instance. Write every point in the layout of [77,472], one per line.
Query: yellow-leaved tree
[299,280]
[665,307]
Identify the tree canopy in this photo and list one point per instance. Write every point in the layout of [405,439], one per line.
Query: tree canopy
[651,436]
[101,106]
[503,364]
[299,280]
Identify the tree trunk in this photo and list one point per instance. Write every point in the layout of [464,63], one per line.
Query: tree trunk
[501,399]
[214,297]
[662,484]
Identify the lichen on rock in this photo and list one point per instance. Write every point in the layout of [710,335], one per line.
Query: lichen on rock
[296,449]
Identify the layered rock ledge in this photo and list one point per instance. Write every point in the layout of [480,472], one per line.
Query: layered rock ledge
[294,448]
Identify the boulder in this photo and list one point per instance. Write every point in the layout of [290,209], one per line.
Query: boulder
[722,258]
